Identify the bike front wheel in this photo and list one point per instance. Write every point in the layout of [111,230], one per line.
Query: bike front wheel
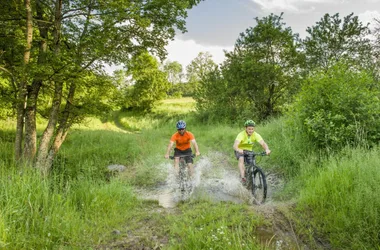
[182,176]
[259,186]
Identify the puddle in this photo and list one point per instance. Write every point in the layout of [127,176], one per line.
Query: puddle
[167,200]
[215,180]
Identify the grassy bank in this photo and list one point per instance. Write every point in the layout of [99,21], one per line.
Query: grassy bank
[342,199]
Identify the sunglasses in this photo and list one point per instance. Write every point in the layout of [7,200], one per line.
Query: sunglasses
[181,129]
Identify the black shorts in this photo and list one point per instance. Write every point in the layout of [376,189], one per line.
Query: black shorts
[247,159]
[187,152]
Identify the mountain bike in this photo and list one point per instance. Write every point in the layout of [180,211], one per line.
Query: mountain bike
[184,179]
[256,179]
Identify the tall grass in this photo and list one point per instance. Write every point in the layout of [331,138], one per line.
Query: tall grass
[343,199]
[77,206]
[87,153]
[289,148]
[38,213]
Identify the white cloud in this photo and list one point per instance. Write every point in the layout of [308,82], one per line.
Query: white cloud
[292,5]
[368,17]
[277,4]
[185,51]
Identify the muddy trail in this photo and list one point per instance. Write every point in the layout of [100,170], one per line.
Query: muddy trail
[216,180]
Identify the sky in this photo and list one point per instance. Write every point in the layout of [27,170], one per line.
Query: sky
[214,25]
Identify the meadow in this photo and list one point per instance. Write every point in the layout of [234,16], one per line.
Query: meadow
[329,199]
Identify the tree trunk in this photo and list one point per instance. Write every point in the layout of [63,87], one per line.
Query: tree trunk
[58,140]
[47,136]
[43,162]
[46,157]
[21,100]
[30,143]
[29,31]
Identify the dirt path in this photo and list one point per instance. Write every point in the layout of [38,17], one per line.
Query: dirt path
[218,181]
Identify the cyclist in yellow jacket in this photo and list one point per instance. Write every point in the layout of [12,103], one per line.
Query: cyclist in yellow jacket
[244,141]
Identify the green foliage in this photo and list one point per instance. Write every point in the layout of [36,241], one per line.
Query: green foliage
[290,149]
[6,98]
[266,64]
[343,200]
[215,101]
[258,77]
[198,68]
[339,107]
[333,39]
[71,50]
[150,85]
[175,75]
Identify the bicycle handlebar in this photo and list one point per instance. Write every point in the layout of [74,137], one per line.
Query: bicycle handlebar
[182,156]
[251,153]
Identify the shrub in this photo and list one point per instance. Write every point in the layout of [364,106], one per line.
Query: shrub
[339,107]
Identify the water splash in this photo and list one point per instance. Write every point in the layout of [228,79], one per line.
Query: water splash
[213,179]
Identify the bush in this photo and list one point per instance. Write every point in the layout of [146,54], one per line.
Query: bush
[339,107]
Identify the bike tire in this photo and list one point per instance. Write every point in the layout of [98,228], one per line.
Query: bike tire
[259,185]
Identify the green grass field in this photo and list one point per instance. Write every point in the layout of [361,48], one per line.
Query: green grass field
[332,197]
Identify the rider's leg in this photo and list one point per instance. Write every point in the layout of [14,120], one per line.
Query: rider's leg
[190,168]
[176,165]
[241,167]
[240,158]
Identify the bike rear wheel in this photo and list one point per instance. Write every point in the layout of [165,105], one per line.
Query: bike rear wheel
[259,185]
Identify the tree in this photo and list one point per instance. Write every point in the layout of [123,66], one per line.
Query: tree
[197,69]
[213,98]
[52,45]
[175,75]
[261,74]
[376,49]
[150,85]
[174,71]
[333,39]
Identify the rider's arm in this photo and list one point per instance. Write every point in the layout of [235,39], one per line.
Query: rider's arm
[168,149]
[195,147]
[265,147]
[236,146]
